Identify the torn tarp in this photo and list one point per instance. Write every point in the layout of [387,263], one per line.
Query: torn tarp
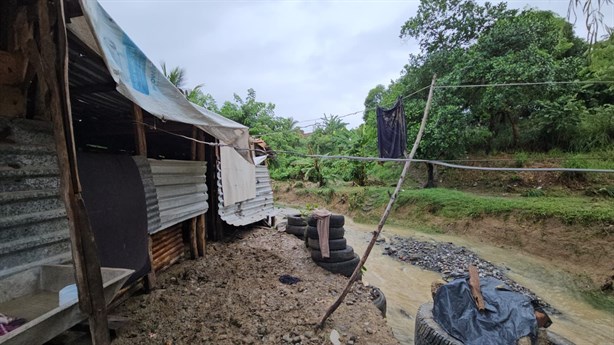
[391,131]
[509,315]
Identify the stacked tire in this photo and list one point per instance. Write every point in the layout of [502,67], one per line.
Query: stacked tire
[296,225]
[342,259]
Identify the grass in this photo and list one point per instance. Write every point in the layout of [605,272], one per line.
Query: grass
[456,204]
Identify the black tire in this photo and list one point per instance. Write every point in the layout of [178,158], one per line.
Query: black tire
[345,268]
[335,221]
[335,255]
[332,244]
[428,332]
[333,233]
[296,221]
[380,300]
[297,231]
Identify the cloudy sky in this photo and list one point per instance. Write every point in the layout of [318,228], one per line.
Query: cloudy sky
[307,57]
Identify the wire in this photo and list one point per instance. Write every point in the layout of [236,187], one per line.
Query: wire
[378,159]
[341,116]
[525,84]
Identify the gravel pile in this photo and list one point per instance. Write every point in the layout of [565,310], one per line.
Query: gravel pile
[451,261]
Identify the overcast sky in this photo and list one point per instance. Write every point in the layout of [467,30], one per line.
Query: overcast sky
[306,57]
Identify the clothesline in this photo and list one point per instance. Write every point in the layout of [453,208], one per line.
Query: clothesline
[378,159]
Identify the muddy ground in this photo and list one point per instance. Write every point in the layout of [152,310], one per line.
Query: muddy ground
[234,296]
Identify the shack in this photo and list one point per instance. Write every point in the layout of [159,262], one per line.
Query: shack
[103,162]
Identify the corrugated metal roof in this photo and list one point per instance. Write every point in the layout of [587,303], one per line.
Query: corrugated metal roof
[181,189]
[33,224]
[252,210]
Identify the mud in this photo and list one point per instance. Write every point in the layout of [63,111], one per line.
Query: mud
[234,296]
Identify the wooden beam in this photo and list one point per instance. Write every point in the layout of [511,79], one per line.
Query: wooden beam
[139,131]
[194,252]
[12,68]
[141,149]
[200,221]
[85,256]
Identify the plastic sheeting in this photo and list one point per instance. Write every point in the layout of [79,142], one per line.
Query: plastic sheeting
[139,80]
[238,177]
[509,315]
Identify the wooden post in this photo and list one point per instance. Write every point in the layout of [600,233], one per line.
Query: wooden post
[194,253]
[200,222]
[139,131]
[141,149]
[87,266]
[474,285]
[382,221]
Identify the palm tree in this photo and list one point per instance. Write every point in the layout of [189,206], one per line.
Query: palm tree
[195,95]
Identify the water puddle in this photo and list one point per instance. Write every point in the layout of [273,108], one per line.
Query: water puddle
[407,287]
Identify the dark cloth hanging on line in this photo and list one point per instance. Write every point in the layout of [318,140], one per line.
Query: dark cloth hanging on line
[391,131]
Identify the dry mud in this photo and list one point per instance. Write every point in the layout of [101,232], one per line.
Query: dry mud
[234,296]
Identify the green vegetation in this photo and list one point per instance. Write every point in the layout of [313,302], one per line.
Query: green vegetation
[463,42]
[454,204]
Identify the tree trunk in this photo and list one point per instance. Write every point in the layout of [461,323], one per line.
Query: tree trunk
[515,130]
[430,183]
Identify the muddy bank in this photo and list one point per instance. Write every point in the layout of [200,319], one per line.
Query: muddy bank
[234,296]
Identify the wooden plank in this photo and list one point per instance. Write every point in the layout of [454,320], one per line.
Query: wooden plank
[474,284]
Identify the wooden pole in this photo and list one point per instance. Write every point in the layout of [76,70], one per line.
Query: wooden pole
[200,222]
[85,255]
[192,225]
[382,221]
[141,150]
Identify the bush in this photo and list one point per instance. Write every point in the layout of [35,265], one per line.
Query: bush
[596,129]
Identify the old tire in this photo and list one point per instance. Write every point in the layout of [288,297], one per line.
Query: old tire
[345,268]
[379,300]
[428,332]
[335,221]
[332,244]
[335,255]
[297,231]
[296,221]
[333,233]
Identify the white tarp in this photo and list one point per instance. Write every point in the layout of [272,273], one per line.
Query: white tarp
[238,177]
[139,80]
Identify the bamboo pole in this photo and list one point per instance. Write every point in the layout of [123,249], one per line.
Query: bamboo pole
[382,221]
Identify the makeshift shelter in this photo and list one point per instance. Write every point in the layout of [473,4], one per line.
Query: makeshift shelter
[97,161]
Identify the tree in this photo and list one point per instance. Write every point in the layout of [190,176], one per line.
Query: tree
[450,24]
[593,16]
[534,46]
[176,76]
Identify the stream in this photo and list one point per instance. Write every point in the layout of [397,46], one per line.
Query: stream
[407,286]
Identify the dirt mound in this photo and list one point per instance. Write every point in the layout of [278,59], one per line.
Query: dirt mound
[234,296]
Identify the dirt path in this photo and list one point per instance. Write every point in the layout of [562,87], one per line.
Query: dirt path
[233,296]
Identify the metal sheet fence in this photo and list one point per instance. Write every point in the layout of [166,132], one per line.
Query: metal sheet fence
[33,224]
[251,210]
[181,190]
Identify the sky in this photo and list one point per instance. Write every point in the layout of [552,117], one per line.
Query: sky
[309,58]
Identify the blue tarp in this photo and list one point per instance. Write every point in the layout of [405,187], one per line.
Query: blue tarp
[508,316]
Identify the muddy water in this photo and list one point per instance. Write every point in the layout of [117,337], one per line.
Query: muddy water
[407,287]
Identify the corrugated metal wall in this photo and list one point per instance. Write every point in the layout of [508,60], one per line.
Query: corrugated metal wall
[33,224]
[252,210]
[151,196]
[181,189]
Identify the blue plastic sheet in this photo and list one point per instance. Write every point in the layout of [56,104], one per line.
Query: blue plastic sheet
[508,315]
